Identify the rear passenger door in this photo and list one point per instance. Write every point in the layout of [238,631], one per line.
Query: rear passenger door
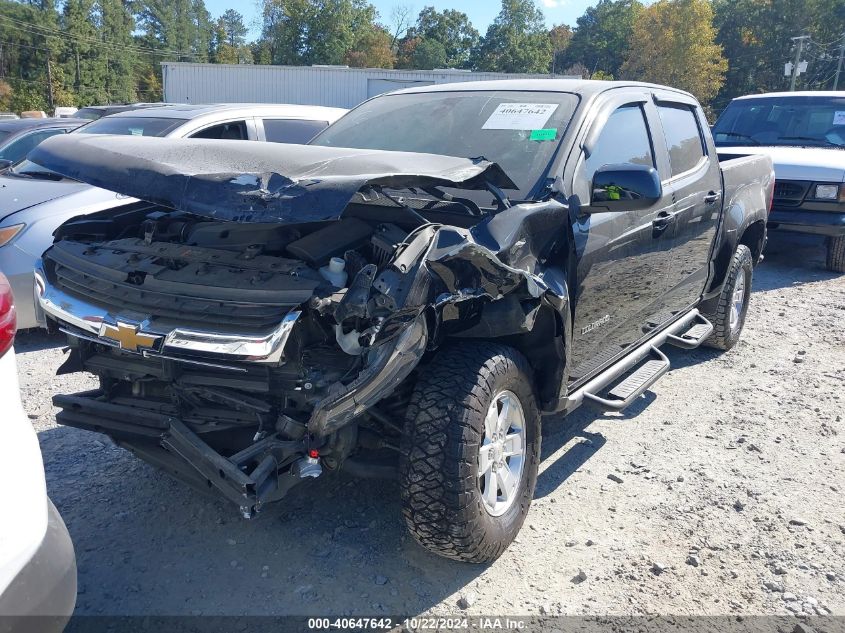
[296,131]
[695,184]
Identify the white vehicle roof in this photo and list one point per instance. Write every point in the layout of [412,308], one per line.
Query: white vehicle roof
[196,111]
[803,93]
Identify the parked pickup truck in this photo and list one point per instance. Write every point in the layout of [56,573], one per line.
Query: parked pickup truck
[407,294]
[804,134]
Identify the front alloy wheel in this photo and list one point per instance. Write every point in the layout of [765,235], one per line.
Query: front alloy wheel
[501,456]
[470,451]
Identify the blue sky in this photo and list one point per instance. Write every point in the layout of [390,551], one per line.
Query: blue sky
[480,12]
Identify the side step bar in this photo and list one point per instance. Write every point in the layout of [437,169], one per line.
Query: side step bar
[625,393]
[694,336]
[688,332]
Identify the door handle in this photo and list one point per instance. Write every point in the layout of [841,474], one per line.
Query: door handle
[662,222]
[712,196]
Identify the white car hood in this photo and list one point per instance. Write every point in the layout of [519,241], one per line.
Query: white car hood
[819,164]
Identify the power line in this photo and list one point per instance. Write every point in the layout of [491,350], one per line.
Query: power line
[19,45]
[43,31]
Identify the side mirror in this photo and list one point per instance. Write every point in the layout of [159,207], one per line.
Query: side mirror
[625,187]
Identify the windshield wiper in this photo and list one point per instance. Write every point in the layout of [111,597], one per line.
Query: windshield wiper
[741,135]
[808,138]
[36,175]
[502,201]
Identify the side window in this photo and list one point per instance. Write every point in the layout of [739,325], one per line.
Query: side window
[231,131]
[624,139]
[296,131]
[19,148]
[683,137]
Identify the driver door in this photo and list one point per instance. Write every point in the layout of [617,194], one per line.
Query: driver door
[623,257]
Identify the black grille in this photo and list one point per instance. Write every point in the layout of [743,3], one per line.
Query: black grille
[186,311]
[235,295]
[790,192]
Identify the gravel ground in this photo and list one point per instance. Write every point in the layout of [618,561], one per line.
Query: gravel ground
[720,493]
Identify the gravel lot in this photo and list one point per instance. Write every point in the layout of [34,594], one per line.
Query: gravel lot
[725,498]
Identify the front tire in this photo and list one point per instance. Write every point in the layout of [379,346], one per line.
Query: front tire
[470,452]
[836,254]
[728,319]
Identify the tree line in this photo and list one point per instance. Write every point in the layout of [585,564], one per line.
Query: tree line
[84,52]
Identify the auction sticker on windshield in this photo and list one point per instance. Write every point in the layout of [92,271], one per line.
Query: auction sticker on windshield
[520,116]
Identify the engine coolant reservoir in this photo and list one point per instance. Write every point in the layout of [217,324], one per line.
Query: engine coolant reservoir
[335,272]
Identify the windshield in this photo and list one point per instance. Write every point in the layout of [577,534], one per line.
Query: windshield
[27,169]
[517,130]
[789,121]
[91,114]
[3,135]
[132,126]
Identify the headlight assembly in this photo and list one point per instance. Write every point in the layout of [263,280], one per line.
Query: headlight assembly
[8,233]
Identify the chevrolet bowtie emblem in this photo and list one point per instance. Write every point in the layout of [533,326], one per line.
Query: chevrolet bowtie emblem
[128,336]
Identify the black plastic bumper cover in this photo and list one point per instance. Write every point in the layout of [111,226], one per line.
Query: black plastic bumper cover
[247,479]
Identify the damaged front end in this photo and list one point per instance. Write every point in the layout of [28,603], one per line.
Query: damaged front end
[251,328]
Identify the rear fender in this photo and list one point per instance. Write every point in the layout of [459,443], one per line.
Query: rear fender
[746,210]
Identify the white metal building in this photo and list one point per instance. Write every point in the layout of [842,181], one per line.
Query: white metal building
[336,86]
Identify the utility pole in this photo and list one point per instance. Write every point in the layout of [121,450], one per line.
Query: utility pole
[799,48]
[49,82]
[78,81]
[839,66]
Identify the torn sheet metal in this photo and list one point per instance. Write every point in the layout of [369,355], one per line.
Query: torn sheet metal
[500,255]
[246,181]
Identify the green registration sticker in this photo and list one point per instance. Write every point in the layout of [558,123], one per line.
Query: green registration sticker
[548,134]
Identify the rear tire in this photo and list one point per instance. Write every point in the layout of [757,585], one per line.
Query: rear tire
[836,254]
[728,318]
[463,439]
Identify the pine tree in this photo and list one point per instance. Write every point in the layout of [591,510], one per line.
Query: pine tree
[233,25]
[116,32]
[516,42]
[84,59]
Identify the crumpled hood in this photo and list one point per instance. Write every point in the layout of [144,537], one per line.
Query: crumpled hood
[249,181]
[20,193]
[819,164]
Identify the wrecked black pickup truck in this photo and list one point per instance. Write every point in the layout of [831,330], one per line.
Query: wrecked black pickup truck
[408,294]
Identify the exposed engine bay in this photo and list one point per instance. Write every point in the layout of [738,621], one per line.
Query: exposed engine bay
[245,355]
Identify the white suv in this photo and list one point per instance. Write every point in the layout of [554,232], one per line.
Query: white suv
[37,561]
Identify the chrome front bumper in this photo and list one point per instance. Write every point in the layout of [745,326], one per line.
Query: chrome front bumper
[141,334]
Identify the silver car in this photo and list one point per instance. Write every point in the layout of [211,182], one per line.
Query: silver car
[19,136]
[35,201]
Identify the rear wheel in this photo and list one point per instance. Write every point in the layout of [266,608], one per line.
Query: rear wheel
[836,254]
[729,316]
[470,452]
